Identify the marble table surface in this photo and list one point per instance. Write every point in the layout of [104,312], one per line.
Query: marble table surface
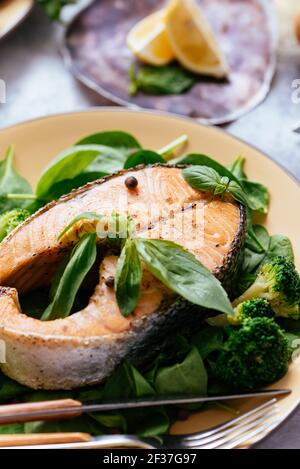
[39,84]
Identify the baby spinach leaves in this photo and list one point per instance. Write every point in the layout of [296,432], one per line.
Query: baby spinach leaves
[117,139]
[81,261]
[168,79]
[12,183]
[143,157]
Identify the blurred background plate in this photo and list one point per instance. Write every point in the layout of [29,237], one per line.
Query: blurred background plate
[95,51]
[12,13]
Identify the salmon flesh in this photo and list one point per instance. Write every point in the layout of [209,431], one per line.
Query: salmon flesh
[87,346]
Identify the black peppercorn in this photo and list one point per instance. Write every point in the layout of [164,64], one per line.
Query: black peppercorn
[110,281]
[131,182]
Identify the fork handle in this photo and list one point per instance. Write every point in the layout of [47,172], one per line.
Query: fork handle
[43,439]
[32,411]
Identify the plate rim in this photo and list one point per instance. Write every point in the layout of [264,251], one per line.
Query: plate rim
[135,110]
[113,109]
[259,97]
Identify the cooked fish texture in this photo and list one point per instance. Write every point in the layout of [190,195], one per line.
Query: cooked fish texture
[86,347]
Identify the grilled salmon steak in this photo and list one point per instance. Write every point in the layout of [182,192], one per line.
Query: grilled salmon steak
[86,347]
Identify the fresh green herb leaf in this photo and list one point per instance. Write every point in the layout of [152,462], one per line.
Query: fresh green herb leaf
[258,195]
[121,141]
[208,179]
[11,182]
[238,193]
[195,159]
[280,245]
[237,168]
[180,271]
[169,79]
[81,261]
[256,247]
[208,340]
[67,165]
[143,157]
[83,216]
[53,7]
[128,278]
[187,377]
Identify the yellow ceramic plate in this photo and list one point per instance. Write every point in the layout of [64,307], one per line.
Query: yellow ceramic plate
[12,12]
[38,141]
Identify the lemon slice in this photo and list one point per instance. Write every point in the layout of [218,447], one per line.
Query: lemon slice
[149,42]
[192,39]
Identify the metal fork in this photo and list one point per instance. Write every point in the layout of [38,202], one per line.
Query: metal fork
[247,427]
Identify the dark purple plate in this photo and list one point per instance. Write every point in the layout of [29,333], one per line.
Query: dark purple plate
[96,53]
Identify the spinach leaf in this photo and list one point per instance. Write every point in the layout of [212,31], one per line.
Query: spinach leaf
[187,377]
[208,340]
[81,261]
[258,195]
[128,278]
[53,7]
[256,192]
[180,271]
[237,168]
[119,140]
[208,179]
[67,165]
[168,79]
[143,157]
[11,183]
[280,245]
[10,389]
[256,247]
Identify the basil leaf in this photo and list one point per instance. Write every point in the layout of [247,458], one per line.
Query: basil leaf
[143,157]
[204,178]
[81,261]
[257,194]
[238,193]
[187,377]
[128,278]
[119,140]
[67,165]
[168,79]
[237,168]
[208,179]
[252,194]
[180,271]
[82,216]
[11,183]
[196,159]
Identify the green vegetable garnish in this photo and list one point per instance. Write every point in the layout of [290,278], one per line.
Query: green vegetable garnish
[169,79]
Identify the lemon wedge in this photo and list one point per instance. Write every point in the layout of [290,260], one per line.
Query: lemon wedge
[192,39]
[149,42]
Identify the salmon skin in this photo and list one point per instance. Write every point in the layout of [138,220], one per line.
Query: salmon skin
[87,346]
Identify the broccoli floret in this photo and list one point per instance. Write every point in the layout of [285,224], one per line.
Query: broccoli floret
[10,220]
[279,283]
[255,354]
[250,309]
